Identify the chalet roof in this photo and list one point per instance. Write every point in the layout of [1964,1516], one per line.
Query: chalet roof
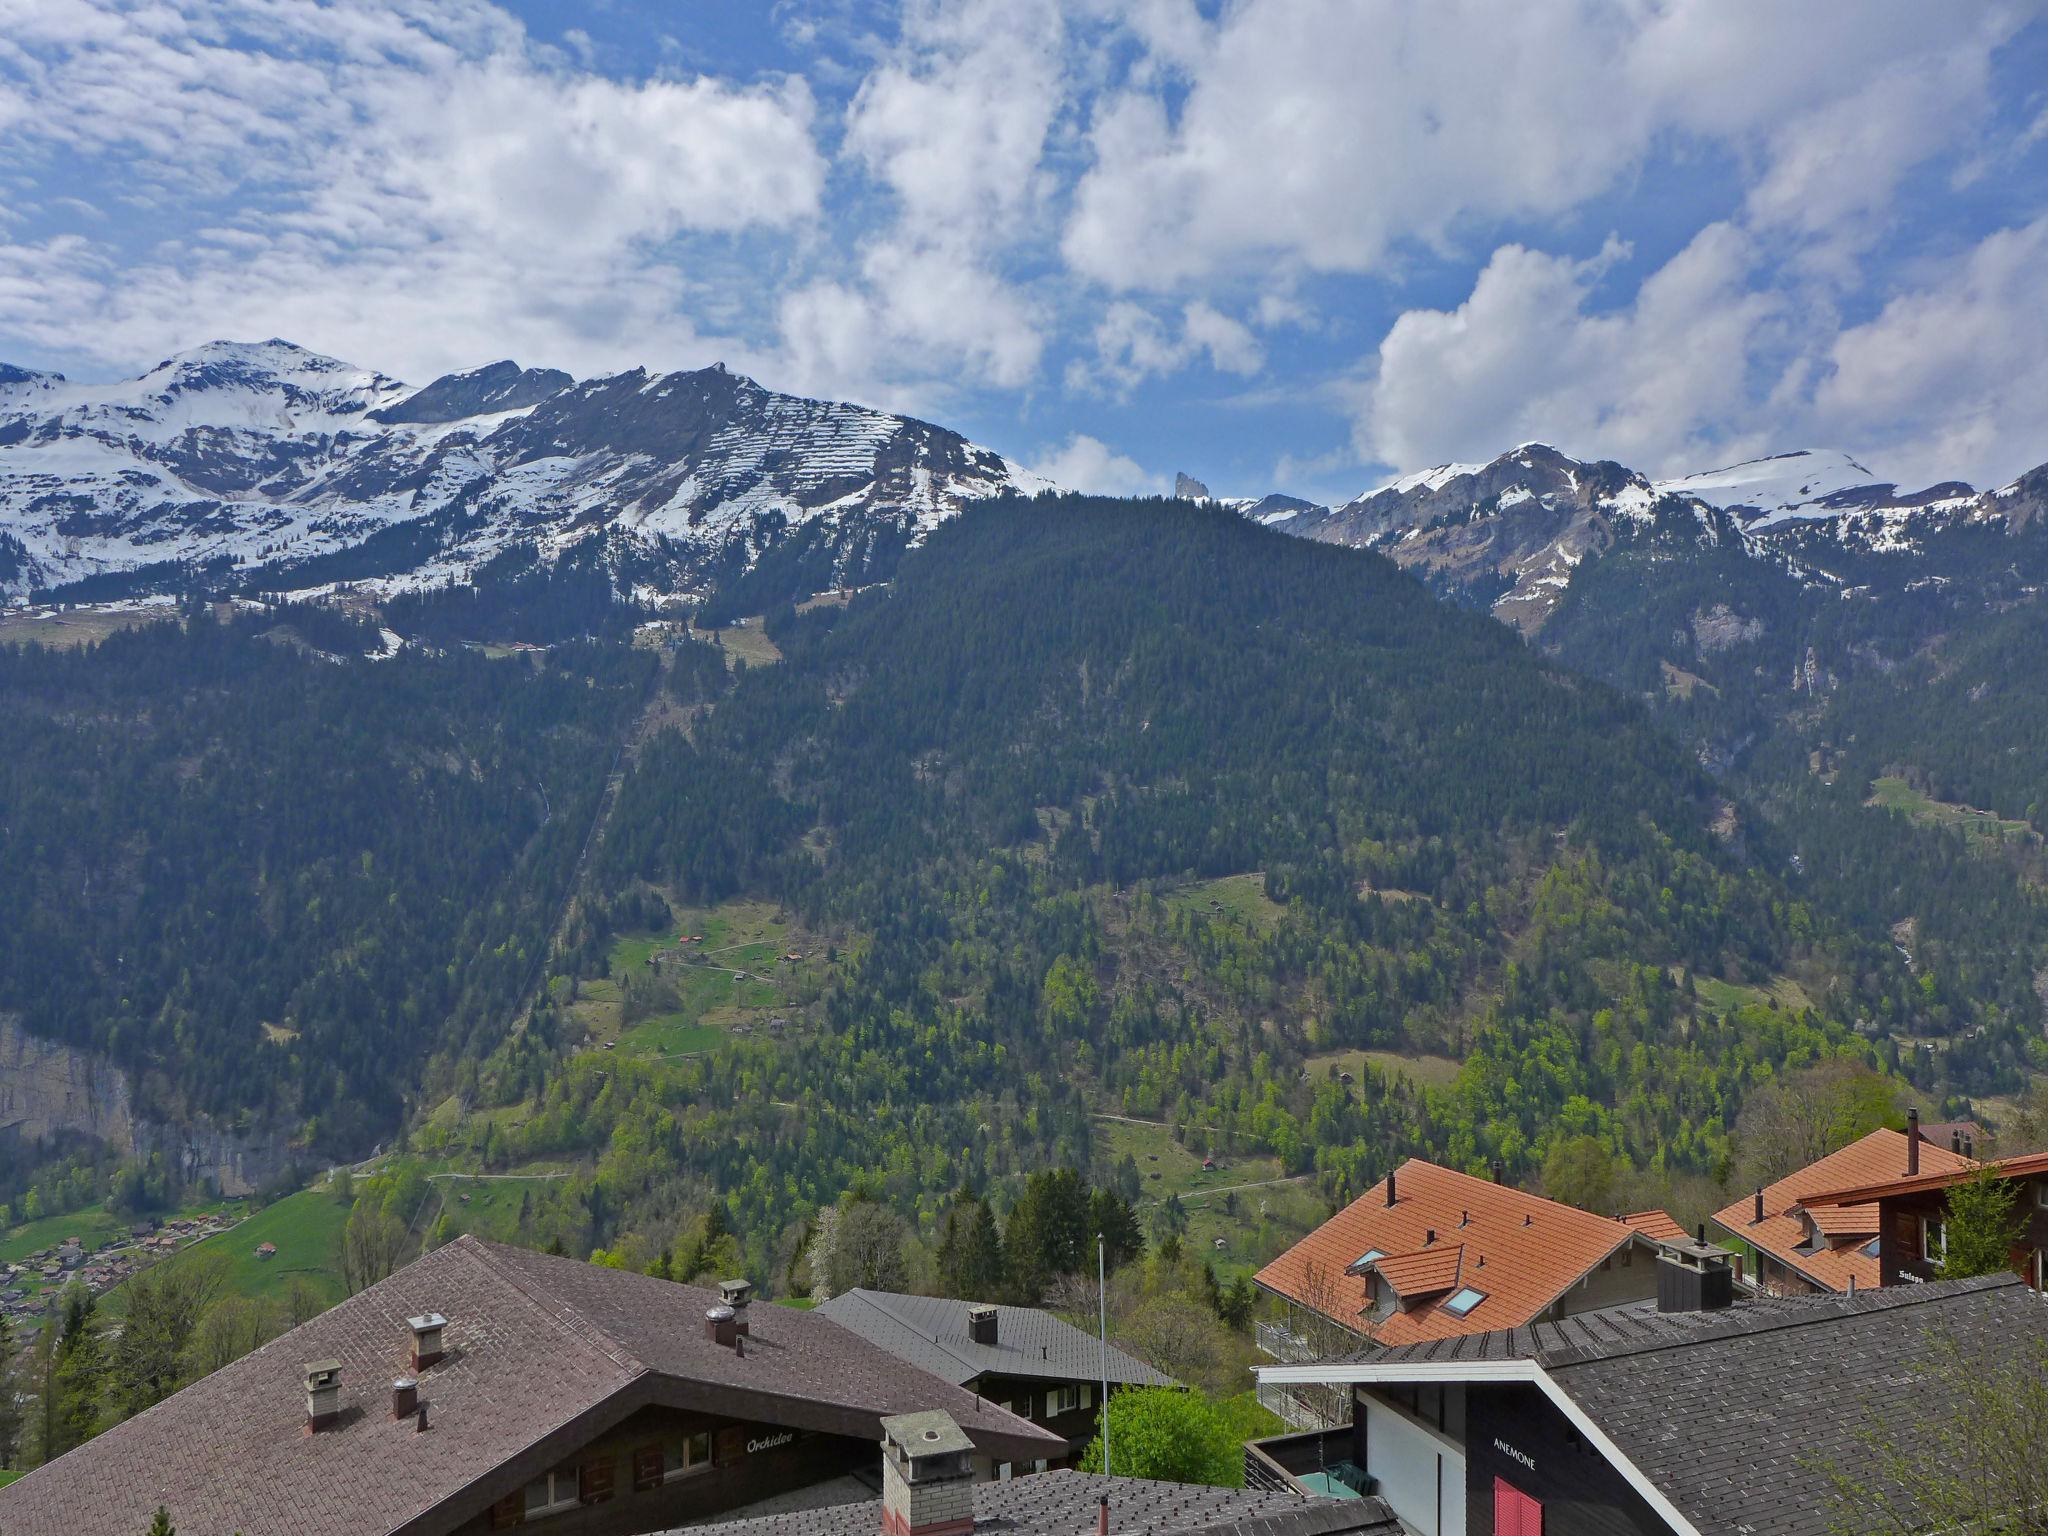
[1930,1179]
[1682,1398]
[1660,1226]
[931,1333]
[1522,1250]
[542,1354]
[1781,1234]
[1426,1272]
[1064,1504]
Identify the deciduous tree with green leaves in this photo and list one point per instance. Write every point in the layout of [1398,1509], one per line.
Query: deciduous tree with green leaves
[1171,1435]
[1984,1225]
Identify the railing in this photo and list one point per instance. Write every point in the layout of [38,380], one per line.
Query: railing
[1284,1344]
[1304,1463]
[1307,1405]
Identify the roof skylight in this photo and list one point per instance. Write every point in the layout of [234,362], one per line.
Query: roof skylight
[1464,1301]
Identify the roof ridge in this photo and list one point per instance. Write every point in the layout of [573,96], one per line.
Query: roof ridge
[1827,1308]
[564,1317]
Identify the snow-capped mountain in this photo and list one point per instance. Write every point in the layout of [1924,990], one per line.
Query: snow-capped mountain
[1510,532]
[265,455]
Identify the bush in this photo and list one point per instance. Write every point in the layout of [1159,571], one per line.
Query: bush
[1171,1435]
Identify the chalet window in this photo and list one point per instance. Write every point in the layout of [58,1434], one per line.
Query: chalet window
[1062,1400]
[2041,1194]
[685,1454]
[595,1480]
[1933,1239]
[1087,1394]
[553,1492]
[1514,1512]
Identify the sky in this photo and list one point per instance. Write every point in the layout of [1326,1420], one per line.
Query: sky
[1282,245]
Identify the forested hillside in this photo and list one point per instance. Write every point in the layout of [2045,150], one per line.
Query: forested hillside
[1889,722]
[268,880]
[1005,784]
[1098,810]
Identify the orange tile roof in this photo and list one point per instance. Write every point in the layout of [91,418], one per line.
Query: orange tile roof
[1836,1221]
[1523,1251]
[1952,1170]
[1427,1273]
[1660,1225]
[1867,1160]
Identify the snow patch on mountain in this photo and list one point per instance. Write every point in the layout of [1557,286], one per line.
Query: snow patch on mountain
[267,455]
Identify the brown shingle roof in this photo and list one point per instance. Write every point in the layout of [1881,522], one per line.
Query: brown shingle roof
[542,1354]
[1533,1251]
[1878,1156]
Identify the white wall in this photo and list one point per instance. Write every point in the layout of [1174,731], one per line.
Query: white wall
[1404,1454]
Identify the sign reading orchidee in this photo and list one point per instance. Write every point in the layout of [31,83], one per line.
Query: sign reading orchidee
[770,1442]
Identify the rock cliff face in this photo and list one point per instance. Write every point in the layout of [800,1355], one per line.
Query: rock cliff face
[49,1090]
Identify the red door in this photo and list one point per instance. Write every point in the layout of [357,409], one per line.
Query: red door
[1514,1512]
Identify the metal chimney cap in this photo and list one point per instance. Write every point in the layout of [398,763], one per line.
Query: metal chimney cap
[403,1383]
[719,1313]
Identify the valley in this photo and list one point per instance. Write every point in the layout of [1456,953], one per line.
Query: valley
[624,903]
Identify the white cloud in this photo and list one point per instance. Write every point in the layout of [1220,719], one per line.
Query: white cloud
[1948,380]
[1325,134]
[955,123]
[406,179]
[1084,463]
[1132,344]
[1527,356]
[918,311]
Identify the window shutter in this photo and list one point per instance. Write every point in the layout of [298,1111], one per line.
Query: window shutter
[595,1481]
[646,1468]
[1514,1512]
[509,1511]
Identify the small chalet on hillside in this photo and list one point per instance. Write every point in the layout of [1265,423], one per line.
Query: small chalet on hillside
[1805,1243]
[1030,1362]
[1908,1218]
[1431,1253]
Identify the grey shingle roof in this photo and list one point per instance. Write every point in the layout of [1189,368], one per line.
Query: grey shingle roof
[931,1333]
[1064,1504]
[1736,1415]
[542,1354]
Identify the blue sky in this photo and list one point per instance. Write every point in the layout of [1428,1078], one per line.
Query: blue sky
[1288,245]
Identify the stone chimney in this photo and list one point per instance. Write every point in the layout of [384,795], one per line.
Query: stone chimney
[721,1326]
[1912,1142]
[927,1476]
[426,1339]
[323,1394]
[981,1325]
[736,1294]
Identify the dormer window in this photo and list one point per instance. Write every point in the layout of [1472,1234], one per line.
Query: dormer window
[1463,1301]
[1370,1254]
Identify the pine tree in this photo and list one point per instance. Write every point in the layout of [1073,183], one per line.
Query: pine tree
[11,1420]
[161,1524]
[80,1377]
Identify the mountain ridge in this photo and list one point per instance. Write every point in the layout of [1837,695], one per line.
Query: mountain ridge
[266,457]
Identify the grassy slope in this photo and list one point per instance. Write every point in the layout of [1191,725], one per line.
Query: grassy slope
[306,1228]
